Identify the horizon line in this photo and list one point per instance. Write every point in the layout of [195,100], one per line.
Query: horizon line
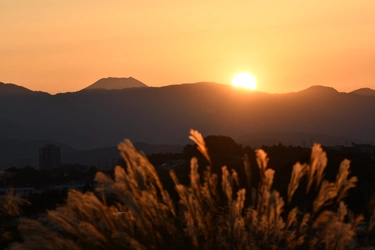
[183,83]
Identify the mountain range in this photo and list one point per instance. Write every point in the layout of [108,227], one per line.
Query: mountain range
[86,120]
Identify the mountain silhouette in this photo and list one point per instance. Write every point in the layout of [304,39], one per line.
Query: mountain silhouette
[9,89]
[112,83]
[364,92]
[319,90]
[164,115]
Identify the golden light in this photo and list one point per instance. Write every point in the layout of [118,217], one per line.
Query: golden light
[244,80]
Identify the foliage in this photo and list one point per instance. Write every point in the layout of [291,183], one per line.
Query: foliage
[10,210]
[134,211]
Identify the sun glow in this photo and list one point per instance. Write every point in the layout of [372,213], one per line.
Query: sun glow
[244,80]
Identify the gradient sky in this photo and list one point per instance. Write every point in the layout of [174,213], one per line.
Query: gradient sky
[59,46]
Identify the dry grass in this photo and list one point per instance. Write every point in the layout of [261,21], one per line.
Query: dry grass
[134,211]
[10,204]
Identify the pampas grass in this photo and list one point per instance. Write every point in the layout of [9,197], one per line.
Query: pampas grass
[134,211]
[10,204]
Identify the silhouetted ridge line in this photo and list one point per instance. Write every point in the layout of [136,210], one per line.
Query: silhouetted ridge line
[162,115]
[364,91]
[318,89]
[10,89]
[112,83]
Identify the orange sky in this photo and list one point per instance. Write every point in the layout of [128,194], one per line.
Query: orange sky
[59,46]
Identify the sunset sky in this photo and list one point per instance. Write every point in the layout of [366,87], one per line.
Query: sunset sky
[59,46]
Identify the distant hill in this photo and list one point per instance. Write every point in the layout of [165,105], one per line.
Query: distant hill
[319,90]
[164,115]
[364,91]
[9,89]
[112,83]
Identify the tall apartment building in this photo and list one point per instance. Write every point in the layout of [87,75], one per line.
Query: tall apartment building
[49,157]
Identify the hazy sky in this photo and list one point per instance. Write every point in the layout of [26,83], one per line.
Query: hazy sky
[60,46]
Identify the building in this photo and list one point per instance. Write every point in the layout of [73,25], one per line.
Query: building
[49,157]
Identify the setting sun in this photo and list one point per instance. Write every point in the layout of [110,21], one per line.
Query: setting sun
[244,80]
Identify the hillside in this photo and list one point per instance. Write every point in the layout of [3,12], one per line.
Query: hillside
[164,115]
[364,92]
[10,89]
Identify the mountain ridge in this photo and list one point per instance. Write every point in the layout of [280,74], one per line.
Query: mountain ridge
[320,89]
[364,92]
[100,85]
[116,83]
[164,115]
[11,89]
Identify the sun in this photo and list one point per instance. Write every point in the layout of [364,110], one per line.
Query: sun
[244,80]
